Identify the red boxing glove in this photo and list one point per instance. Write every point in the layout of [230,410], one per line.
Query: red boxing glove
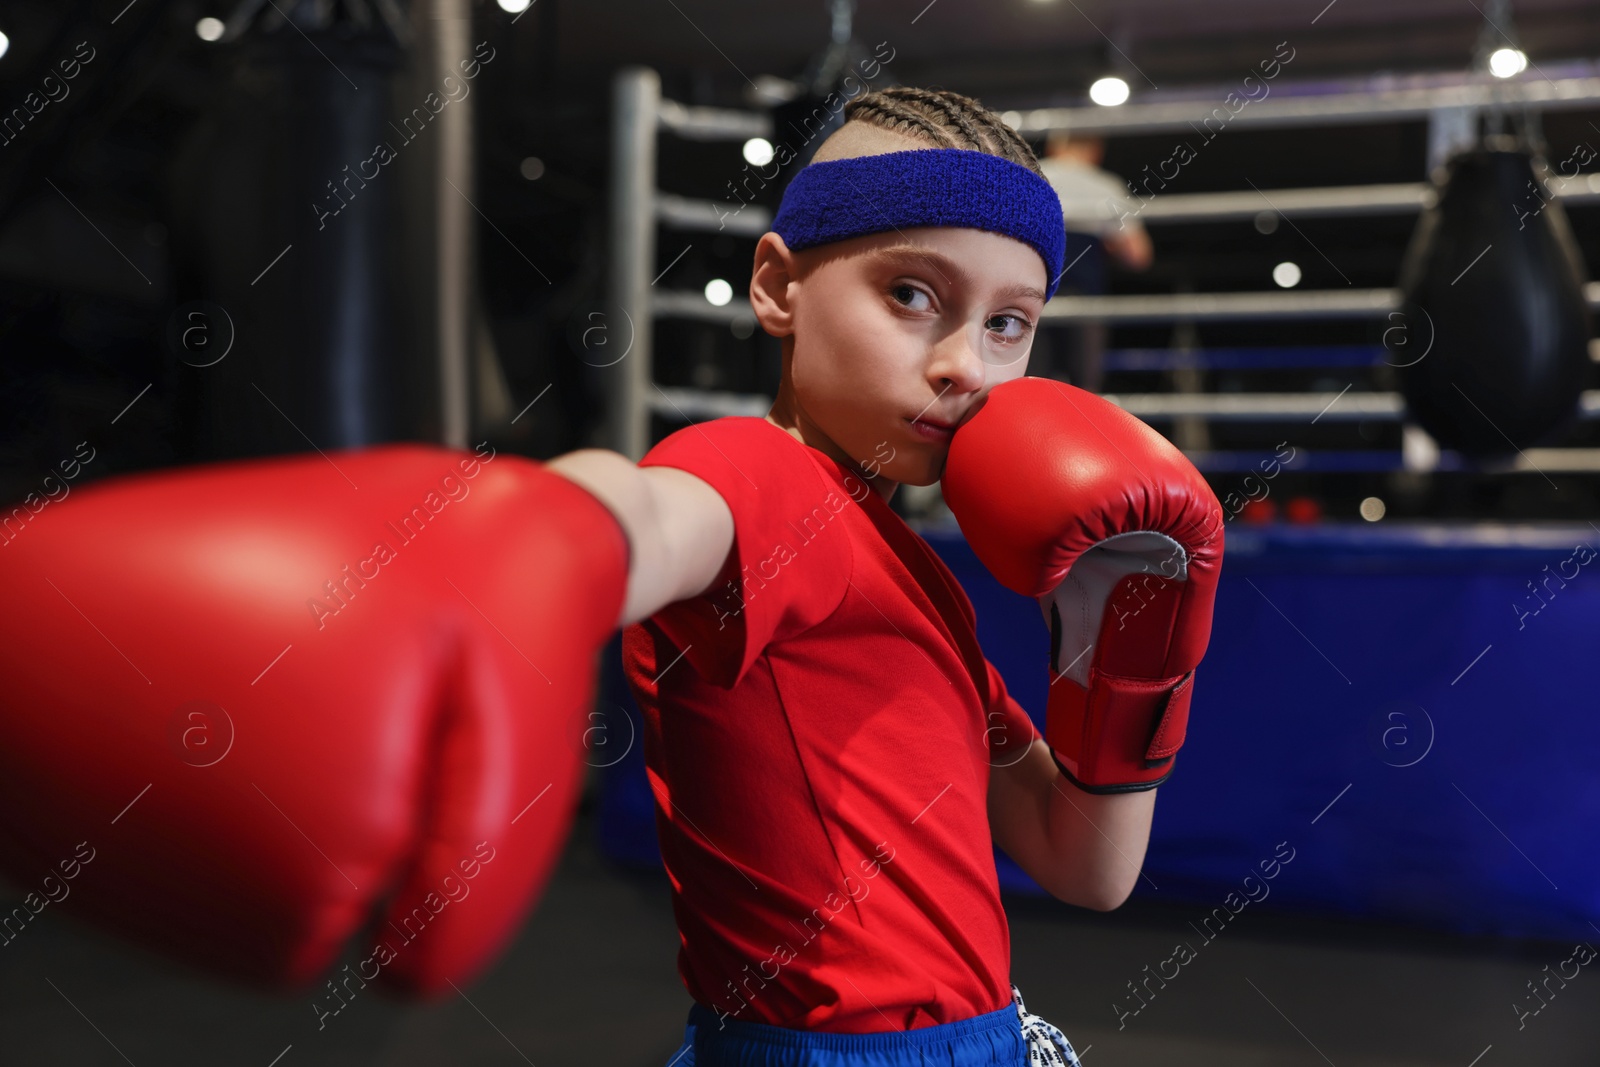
[250,708]
[1068,498]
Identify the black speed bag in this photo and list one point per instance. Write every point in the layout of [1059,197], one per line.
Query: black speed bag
[1494,352]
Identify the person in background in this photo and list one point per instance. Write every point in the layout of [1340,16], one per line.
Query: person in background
[1099,218]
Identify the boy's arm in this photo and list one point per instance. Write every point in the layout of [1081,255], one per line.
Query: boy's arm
[1082,848]
[1131,247]
[679,528]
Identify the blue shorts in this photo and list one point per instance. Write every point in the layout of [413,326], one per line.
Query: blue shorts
[992,1040]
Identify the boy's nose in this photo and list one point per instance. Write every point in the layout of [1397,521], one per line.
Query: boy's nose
[958,365]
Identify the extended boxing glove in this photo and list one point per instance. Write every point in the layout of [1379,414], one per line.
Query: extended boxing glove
[252,710]
[1066,497]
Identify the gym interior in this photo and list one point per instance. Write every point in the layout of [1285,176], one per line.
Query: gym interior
[1345,267]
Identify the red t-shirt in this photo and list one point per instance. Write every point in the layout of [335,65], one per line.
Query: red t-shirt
[819,738]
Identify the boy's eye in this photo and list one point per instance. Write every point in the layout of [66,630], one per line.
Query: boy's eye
[908,293]
[1019,326]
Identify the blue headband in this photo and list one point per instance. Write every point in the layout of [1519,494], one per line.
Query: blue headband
[840,198]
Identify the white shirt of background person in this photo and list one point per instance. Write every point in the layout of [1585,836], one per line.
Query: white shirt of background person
[1093,200]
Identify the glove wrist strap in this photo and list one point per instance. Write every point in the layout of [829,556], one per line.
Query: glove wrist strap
[1117,734]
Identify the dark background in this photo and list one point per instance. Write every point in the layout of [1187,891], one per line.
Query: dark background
[88,287]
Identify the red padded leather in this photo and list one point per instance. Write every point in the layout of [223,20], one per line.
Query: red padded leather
[395,737]
[1039,475]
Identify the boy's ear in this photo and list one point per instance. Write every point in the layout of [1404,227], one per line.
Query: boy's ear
[775,268]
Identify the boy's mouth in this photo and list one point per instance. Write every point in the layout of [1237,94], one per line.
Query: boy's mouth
[933,429]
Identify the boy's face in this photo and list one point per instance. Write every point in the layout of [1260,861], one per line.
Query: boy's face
[896,338]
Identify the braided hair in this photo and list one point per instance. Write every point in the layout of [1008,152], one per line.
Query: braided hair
[944,119]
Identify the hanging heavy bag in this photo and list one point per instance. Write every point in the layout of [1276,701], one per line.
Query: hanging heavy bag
[1493,288]
[283,218]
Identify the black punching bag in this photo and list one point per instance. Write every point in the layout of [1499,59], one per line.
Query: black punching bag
[286,251]
[1493,287]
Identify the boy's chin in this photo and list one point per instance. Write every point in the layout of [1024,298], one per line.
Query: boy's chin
[923,474]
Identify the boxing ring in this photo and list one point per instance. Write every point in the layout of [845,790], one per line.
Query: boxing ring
[1402,704]
[1447,104]
[1392,700]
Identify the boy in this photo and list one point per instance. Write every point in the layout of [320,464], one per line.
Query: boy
[830,752]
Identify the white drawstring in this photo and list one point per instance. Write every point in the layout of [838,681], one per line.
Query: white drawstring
[1047,1046]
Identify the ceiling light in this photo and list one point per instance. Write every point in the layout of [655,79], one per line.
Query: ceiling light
[1109,92]
[758,151]
[1504,62]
